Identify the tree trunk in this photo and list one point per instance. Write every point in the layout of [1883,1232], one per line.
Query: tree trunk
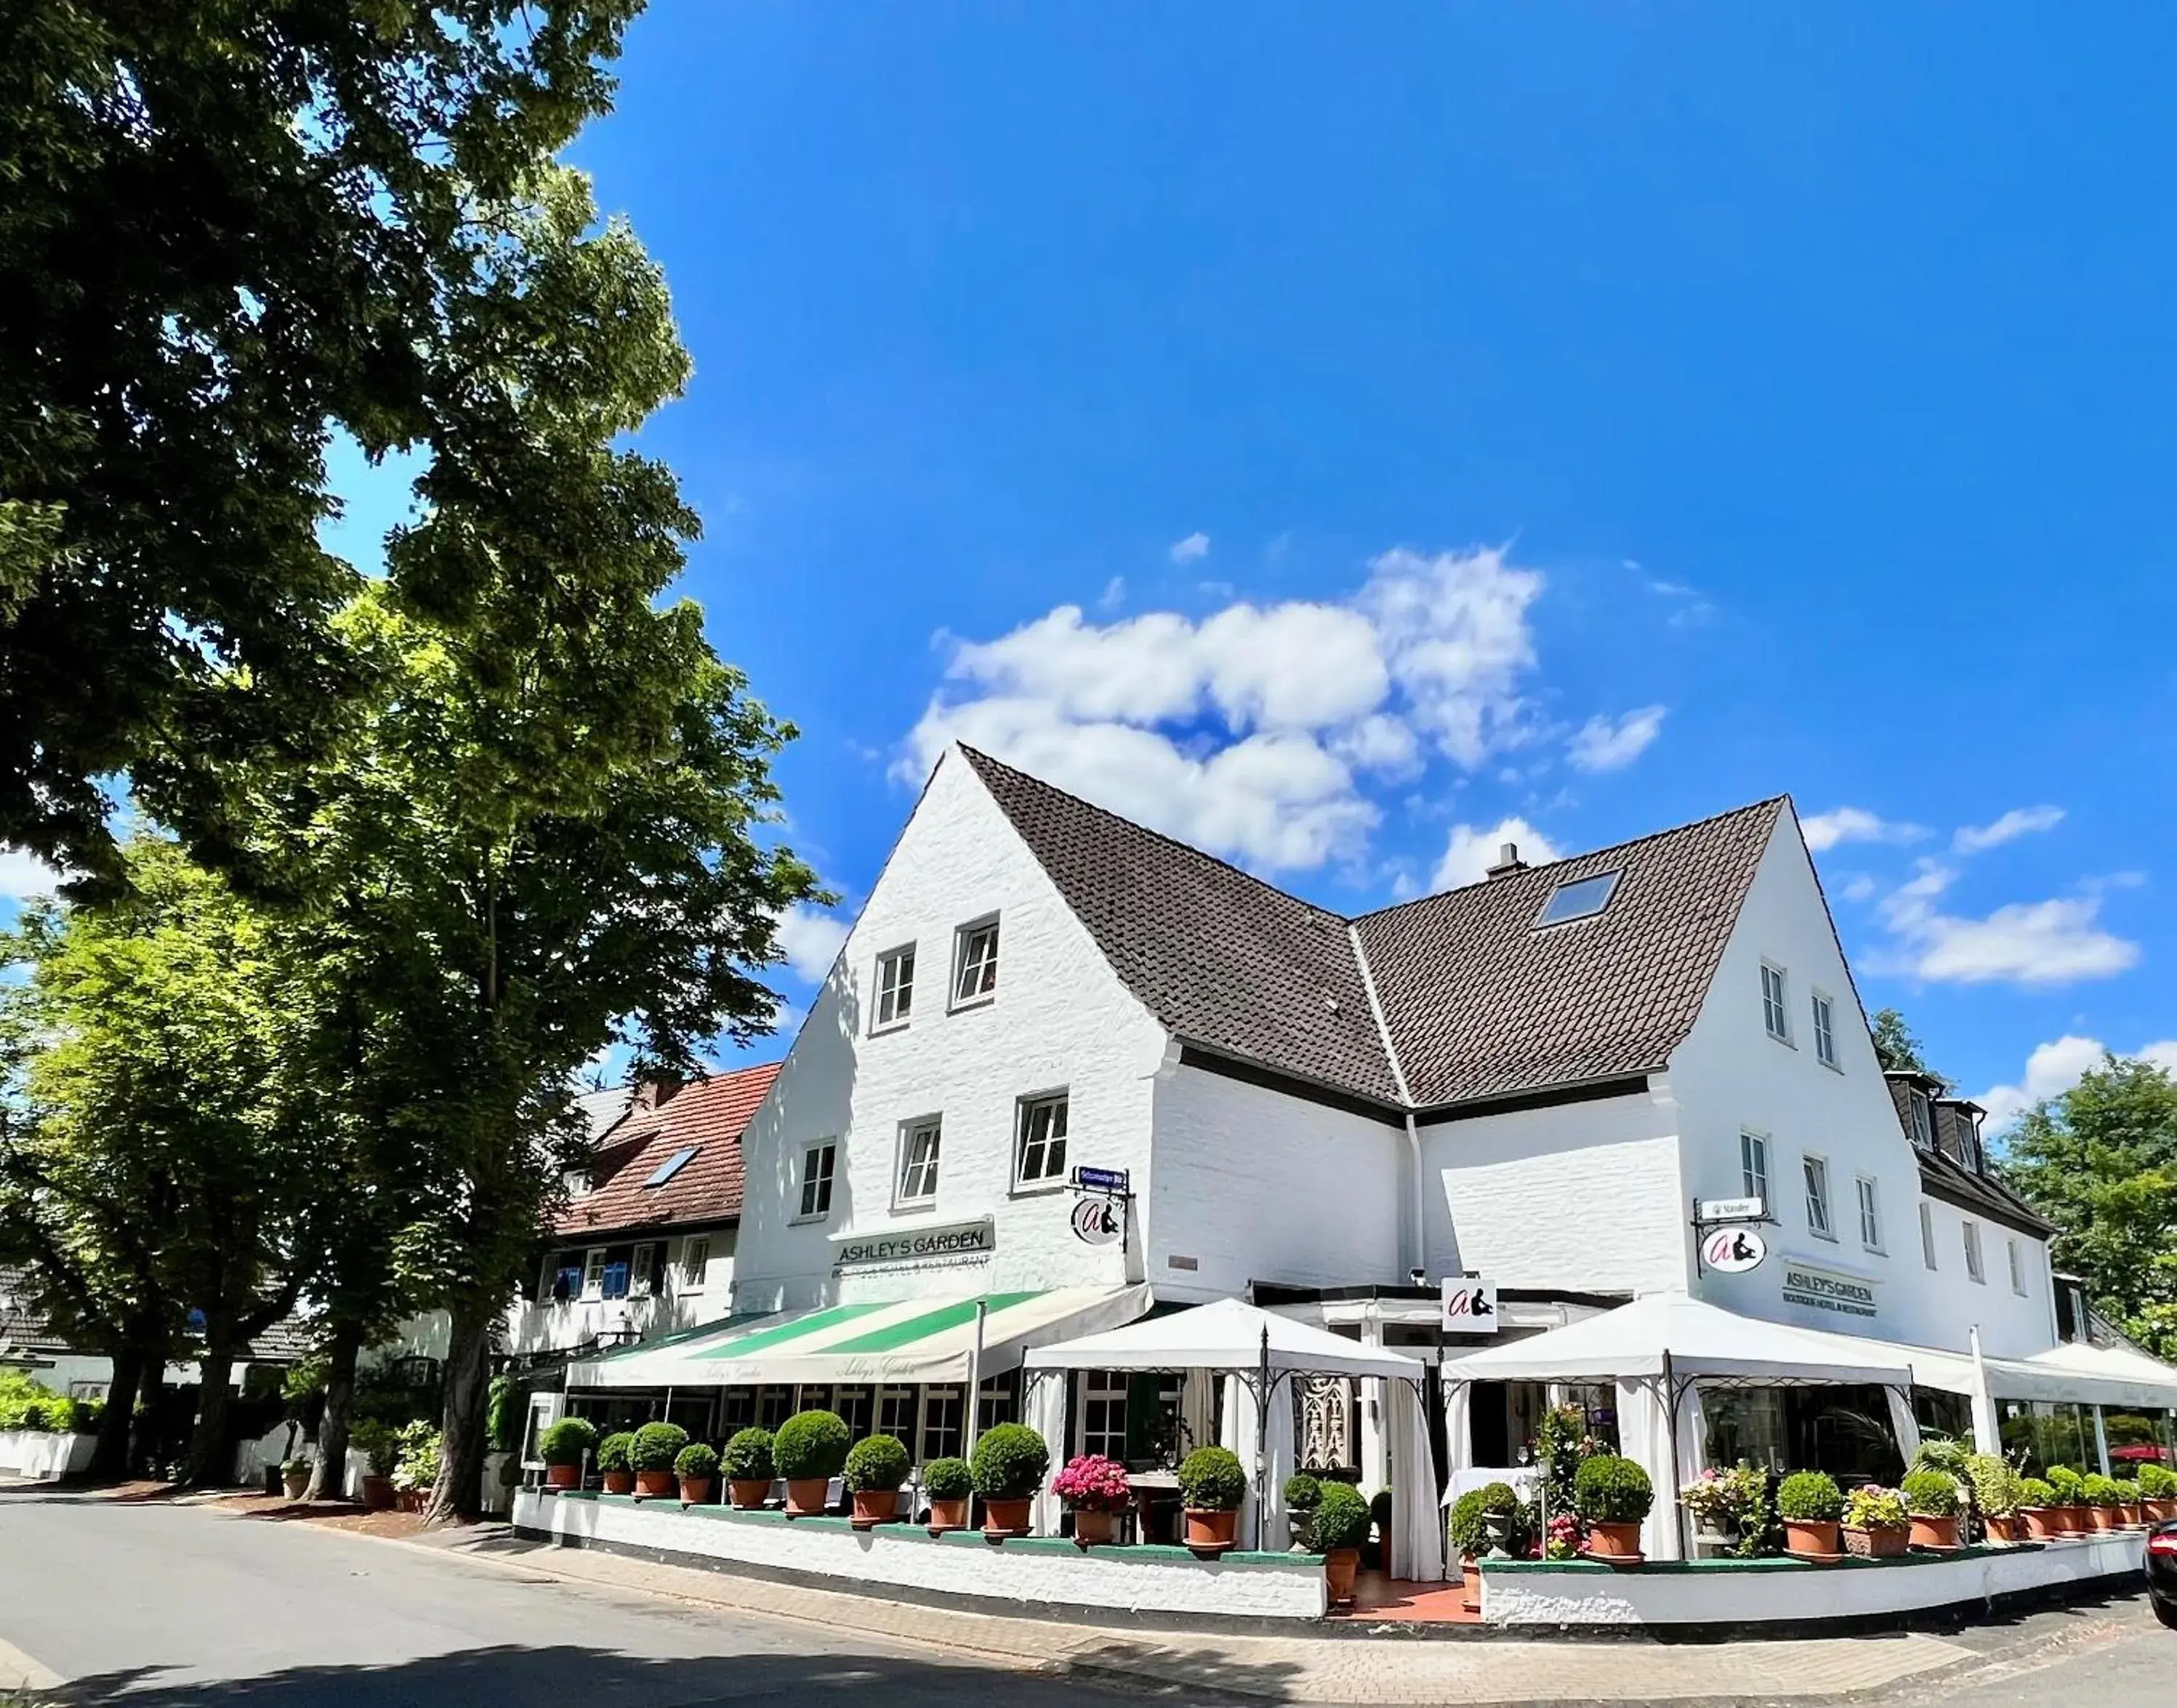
[329,1476]
[459,1491]
[204,1467]
[109,1459]
[144,1443]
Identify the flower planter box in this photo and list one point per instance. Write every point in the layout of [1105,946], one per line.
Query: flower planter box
[654,1484]
[949,1514]
[749,1492]
[2007,1528]
[2043,1523]
[806,1497]
[1812,1539]
[1211,1531]
[619,1481]
[1935,1535]
[875,1506]
[1340,1566]
[1469,1589]
[1886,1544]
[563,1476]
[1005,1517]
[1614,1544]
[698,1491]
[1093,1529]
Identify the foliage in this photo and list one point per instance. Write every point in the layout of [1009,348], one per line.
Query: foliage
[1090,1482]
[417,1465]
[877,1463]
[615,1451]
[25,1403]
[1302,1491]
[1010,1462]
[948,1479]
[1735,1500]
[1340,1520]
[2100,1162]
[295,1467]
[748,1456]
[1212,1479]
[565,1441]
[696,1462]
[2069,1485]
[2035,1495]
[1942,1452]
[1809,1497]
[1380,1509]
[503,1409]
[1895,1046]
[1931,1493]
[2097,1490]
[1874,1507]
[1995,1484]
[1561,1443]
[1468,1533]
[2158,1482]
[812,1444]
[1612,1490]
[379,1444]
[656,1445]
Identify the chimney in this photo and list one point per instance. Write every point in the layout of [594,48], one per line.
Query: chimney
[655,1087]
[1508,861]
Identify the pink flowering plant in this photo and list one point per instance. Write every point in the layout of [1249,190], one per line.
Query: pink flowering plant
[1092,1483]
[1564,1537]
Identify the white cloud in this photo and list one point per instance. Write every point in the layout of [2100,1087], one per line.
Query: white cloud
[1602,746]
[2057,942]
[24,876]
[1248,731]
[1860,886]
[811,940]
[1114,595]
[2020,821]
[1826,830]
[1470,853]
[2054,1068]
[1190,550]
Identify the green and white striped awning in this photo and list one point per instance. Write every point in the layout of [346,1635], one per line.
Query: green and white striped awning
[900,1341]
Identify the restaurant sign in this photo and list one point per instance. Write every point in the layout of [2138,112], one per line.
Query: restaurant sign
[1826,1290]
[949,1243]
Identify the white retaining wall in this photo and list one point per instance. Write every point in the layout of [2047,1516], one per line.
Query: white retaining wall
[43,1457]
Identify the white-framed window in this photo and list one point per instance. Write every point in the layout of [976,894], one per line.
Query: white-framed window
[1973,1266]
[2017,1269]
[896,1411]
[1104,1414]
[1754,1167]
[1928,1233]
[1774,1015]
[1824,1030]
[696,1263]
[1924,1130]
[919,1143]
[895,988]
[1040,1149]
[817,1164]
[1870,1215]
[975,961]
[1818,1220]
[944,1416]
[643,1271]
[593,1273]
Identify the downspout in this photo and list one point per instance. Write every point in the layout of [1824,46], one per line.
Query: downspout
[1416,1233]
[1419,1260]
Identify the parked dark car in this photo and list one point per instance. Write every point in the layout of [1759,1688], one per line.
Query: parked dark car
[2161,1572]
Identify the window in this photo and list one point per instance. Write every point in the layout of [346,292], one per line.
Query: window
[943,1410]
[1928,1233]
[896,1413]
[817,1164]
[1870,1216]
[694,1265]
[2017,1270]
[918,1161]
[1824,1031]
[617,1273]
[566,1276]
[854,1406]
[1577,899]
[773,1405]
[1923,1132]
[1754,1167]
[642,1275]
[1972,1251]
[976,957]
[593,1274]
[895,987]
[1040,1155]
[1774,1014]
[1104,1414]
[672,1166]
[1818,1196]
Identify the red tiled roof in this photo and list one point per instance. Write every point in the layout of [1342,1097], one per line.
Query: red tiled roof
[709,1115]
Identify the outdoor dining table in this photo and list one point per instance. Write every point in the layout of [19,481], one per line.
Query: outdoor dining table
[1156,1505]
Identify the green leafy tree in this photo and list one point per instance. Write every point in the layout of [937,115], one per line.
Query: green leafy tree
[2100,1162]
[1895,1046]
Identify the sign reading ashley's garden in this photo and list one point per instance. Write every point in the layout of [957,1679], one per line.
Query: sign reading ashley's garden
[1824,1290]
[975,1239]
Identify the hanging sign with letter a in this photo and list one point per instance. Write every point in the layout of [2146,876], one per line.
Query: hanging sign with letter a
[1469,1304]
[1733,1251]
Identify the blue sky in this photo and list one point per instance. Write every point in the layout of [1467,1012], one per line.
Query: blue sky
[1331,444]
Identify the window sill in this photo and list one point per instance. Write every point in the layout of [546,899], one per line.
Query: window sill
[1835,1068]
[889,1028]
[1816,1233]
[1774,1038]
[914,1207]
[1037,1188]
[972,1003]
[809,1221]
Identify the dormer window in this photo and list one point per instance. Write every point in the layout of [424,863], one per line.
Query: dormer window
[1577,899]
[1923,1129]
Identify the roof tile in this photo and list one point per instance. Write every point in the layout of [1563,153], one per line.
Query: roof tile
[709,1114]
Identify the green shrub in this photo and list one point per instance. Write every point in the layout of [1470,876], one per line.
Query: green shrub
[1995,1483]
[748,1457]
[1610,1490]
[1010,1462]
[812,1444]
[1302,1492]
[1341,1519]
[1469,1533]
[2158,1482]
[2034,1493]
[656,1445]
[295,1467]
[1944,1454]
[1379,1510]
[1809,1497]
[418,1465]
[695,1461]
[948,1479]
[613,1451]
[1875,1508]
[1931,1493]
[2068,1484]
[1211,1479]
[2102,1491]
[566,1441]
[380,1447]
[502,1415]
[877,1463]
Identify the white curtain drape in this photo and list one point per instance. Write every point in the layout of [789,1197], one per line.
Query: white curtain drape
[1266,1485]
[1458,1432]
[1197,1410]
[1644,1437]
[1044,1404]
[1902,1423]
[1416,1520]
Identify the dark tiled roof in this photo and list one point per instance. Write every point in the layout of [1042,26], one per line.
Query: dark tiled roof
[1222,959]
[1479,1003]
[709,1114]
[1943,1178]
[22,1325]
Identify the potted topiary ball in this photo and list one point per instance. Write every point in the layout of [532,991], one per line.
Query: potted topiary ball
[696,1465]
[656,1445]
[750,1468]
[1009,1464]
[1212,1484]
[614,1466]
[563,1446]
[1340,1525]
[1612,1496]
[295,1477]
[1876,1526]
[381,1451]
[811,1448]
[1810,1504]
[1302,1493]
[1931,1496]
[874,1471]
[949,1485]
[1468,1533]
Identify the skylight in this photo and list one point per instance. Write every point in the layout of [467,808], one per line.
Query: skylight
[1577,899]
[672,1166]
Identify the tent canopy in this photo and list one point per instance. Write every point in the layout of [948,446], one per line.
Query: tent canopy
[1701,1340]
[905,1342]
[1224,1334]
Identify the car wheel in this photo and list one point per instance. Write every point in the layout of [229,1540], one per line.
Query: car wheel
[2166,1612]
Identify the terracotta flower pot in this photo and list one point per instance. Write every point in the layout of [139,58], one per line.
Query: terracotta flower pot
[1005,1517]
[1210,1528]
[295,1486]
[563,1476]
[875,1506]
[654,1484]
[698,1491]
[948,1515]
[410,1499]
[2132,1516]
[806,1497]
[2006,1528]
[750,1492]
[619,1481]
[1340,1566]
[2162,1511]
[2100,1519]
[377,1492]
[1093,1528]
[1470,1591]
[2043,1523]
[1811,1538]
[1888,1543]
[1615,1543]
[1939,1534]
